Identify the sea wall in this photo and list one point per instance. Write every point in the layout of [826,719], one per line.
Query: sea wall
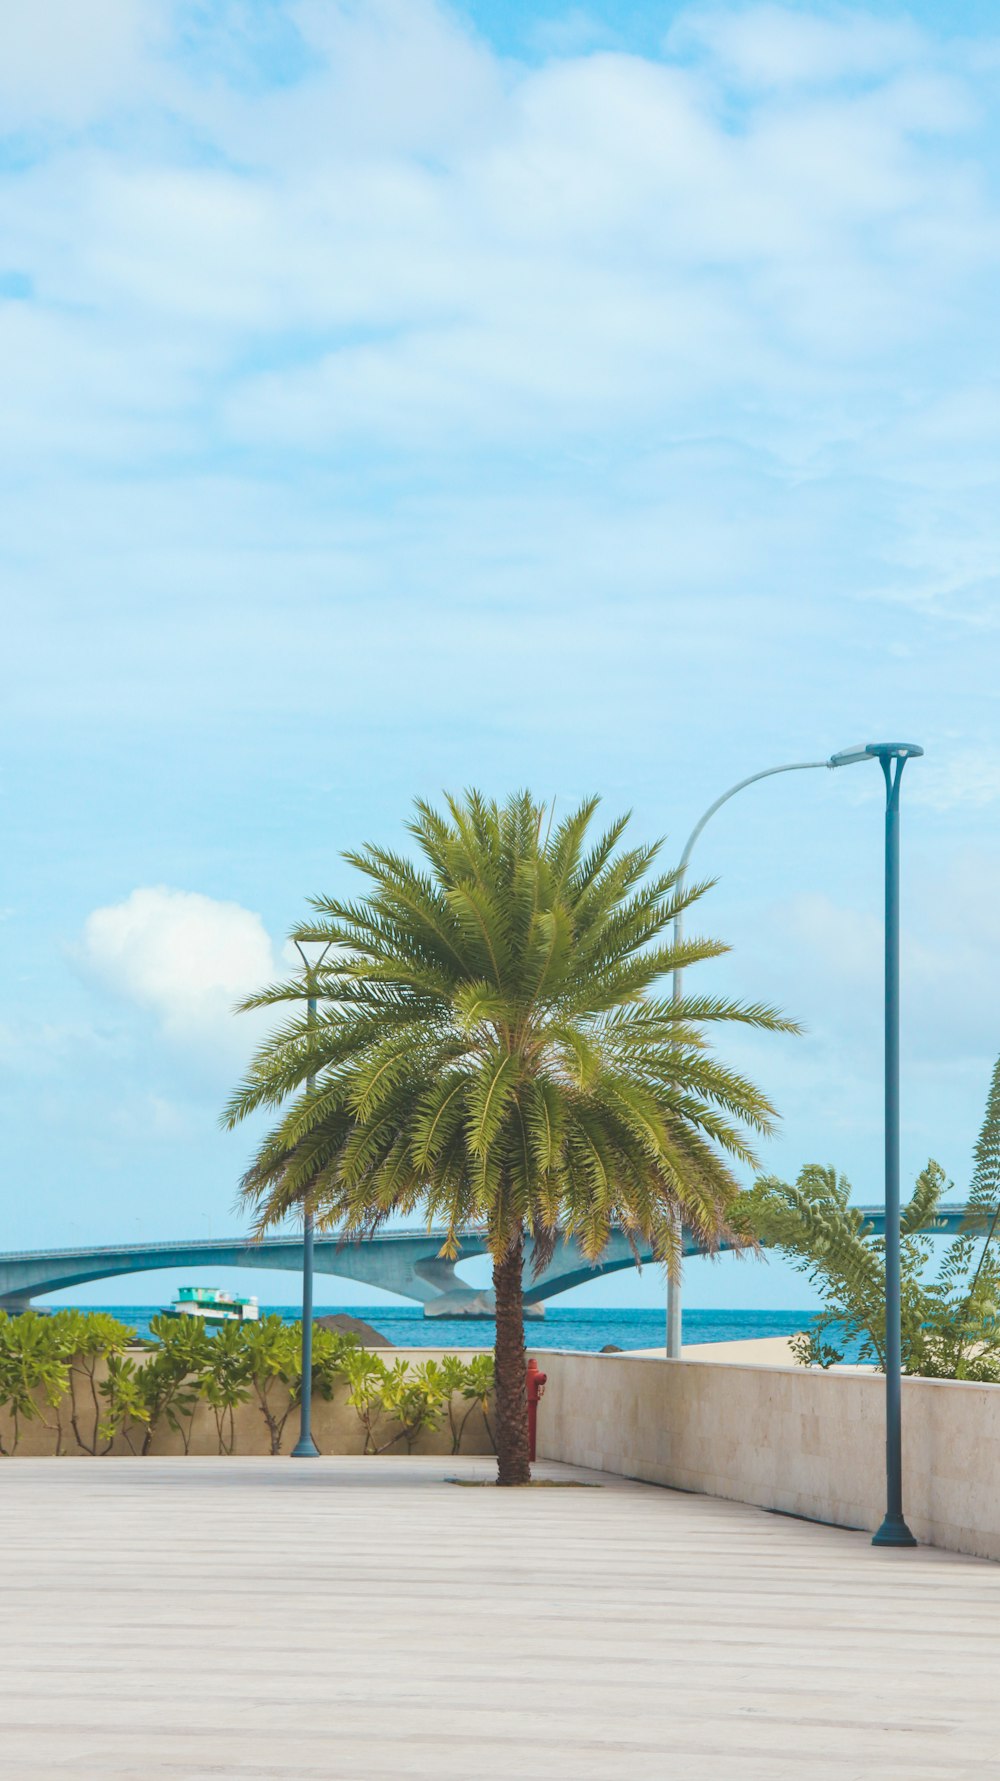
[795,1439]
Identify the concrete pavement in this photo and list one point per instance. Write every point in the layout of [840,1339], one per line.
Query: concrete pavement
[364,1620]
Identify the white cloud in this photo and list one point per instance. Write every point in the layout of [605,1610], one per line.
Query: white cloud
[418,242]
[968,777]
[34,1047]
[820,955]
[152,1118]
[776,46]
[66,62]
[950,943]
[394,73]
[186,957]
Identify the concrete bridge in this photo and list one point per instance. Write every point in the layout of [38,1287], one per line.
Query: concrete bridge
[403,1262]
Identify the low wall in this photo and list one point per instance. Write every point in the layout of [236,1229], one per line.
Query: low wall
[807,1442]
[788,1438]
[335,1426]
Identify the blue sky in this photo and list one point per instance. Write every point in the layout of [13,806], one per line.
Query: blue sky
[399,397]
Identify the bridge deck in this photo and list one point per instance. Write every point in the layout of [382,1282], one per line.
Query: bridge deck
[352,1619]
[406,1262]
[949,1219]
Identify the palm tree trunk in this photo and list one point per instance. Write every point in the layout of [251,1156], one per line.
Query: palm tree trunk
[510,1389]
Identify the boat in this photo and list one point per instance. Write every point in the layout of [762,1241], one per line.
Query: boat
[213,1305]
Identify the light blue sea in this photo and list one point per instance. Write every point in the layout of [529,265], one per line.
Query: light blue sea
[586,1330]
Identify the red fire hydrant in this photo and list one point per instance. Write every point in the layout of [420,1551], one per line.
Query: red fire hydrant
[536,1386]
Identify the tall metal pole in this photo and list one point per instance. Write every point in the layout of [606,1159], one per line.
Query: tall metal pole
[305,1447]
[674,1288]
[675,1335]
[894,1531]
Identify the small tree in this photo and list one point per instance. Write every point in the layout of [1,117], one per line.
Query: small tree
[415,1398]
[90,1339]
[126,1411]
[330,1351]
[33,1373]
[225,1382]
[365,1373]
[469,1383]
[162,1388]
[453,1377]
[411,1399]
[477,1390]
[274,1351]
[171,1379]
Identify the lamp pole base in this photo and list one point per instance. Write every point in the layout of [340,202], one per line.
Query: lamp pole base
[305,1448]
[893,1532]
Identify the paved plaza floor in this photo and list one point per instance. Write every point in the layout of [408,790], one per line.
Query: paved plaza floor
[369,1621]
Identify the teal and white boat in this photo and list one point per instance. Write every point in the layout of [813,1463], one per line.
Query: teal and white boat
[213,1305]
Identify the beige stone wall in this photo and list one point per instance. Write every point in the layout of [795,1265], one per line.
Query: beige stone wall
[786,1438]
[336,1428]
[789,1438]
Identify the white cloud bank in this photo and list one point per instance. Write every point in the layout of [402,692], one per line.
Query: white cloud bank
[186,957]
[950,944]
[66,63]
[414,241]
[771,46]
[317,307]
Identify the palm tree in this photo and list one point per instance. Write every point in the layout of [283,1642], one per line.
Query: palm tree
[492,1052]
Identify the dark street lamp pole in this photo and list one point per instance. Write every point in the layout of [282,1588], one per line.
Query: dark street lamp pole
[892,756]
[305,1447]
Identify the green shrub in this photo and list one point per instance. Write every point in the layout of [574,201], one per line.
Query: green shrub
[365,1373]
[34,1373]
[273,1351]
[224,1380]
[477,1389]
[88,1339]
[76,1360]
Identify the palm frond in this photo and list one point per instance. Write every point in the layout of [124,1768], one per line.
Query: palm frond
[492,1046]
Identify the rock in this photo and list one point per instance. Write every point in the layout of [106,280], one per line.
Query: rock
[467,1302]
[612,1348]
[346,1325]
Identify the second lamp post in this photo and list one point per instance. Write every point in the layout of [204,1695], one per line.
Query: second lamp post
[892,757]
[305,1447]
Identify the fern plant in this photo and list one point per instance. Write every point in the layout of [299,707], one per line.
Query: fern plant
[950,1322]
[960,1336]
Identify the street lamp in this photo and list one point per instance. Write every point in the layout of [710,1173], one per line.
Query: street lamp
[305,1447]
[892,757]
[843,759]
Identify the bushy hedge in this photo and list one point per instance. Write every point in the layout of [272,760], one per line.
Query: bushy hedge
[70,1371]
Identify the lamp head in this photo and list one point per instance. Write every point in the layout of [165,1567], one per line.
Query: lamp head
[875,751]
[311,952]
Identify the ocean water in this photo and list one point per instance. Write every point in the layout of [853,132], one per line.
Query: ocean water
[588,1330]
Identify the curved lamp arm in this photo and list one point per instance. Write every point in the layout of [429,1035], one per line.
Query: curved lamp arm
[673,1344]
[768,773]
